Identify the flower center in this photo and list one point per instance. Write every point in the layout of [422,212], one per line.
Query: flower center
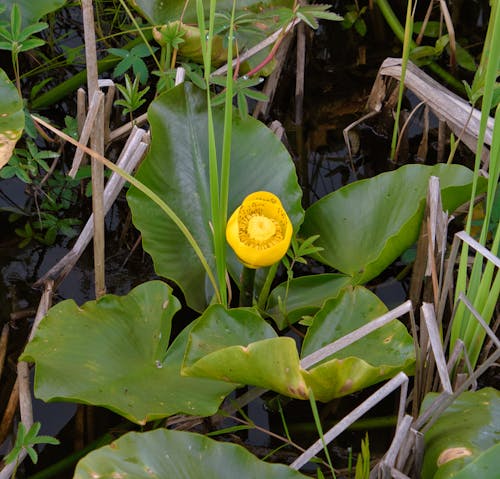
[261,228]
[259,225]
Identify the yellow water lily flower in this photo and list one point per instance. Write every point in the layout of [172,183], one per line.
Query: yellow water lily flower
[259,231]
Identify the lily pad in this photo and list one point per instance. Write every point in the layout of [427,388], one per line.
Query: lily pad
[377,356]
[159,12]
[305,296]
[366,225]
[113,353]
[164,453]
[237,345]
[176,169]
[11,119]
[464,442]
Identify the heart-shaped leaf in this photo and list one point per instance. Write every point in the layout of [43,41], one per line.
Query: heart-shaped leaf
[366,225]
[373,358]
[113,353]
[176,169]
[163,453]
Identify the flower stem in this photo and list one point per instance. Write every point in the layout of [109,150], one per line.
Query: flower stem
[246,286]
[264,292]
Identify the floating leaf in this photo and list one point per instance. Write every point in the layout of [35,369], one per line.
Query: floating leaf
[464,442]
[11,118]
[377,356]
[113,353]
[237,345]
[163,453]
[159,12]
[176,169]
[366,225]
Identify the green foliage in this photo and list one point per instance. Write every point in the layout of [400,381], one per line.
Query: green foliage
[27,163]
[242,89]
[481,283]
[115,353]
[298,297]
[372,222]
[17,39]
[30,11]
[423,55]
[49,218]
[166,453]
[464,441]
[132,96]
[311,13]
[25,440]
[178,120]
[11,119]
[363,462]
[46,228]
[354,19]
[133,59]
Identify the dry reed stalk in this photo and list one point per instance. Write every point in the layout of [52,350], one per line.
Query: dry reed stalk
[355,335]
[9,413]
[461,118]
[87,130]
[400,381]
[4,339]
[299,112]
[271,84]
[97,144]
[257,48]
[108,105]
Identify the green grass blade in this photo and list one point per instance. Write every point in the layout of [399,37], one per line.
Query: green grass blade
[479,283]
[406,55]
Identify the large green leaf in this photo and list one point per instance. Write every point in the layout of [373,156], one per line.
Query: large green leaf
[302,296]
[11,118]
[373,358]
[177,170]
[113,353]
[464,442]
[169,454]
[159,12]
[366,225]
[31,11]
[238,346]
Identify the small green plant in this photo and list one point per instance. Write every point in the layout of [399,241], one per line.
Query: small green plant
[26,163]
[132,96]
[18,39]
[25,440]
[353,18]
[363,462]
[242,89]
[133,59]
